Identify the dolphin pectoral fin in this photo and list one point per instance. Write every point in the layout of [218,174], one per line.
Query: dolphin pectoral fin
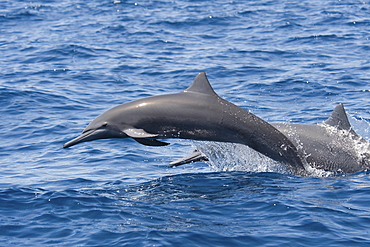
[150,142]
[196,156]
[138,133]
[143,137]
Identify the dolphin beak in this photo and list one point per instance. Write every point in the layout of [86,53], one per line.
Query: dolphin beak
[86,136]
[95,134]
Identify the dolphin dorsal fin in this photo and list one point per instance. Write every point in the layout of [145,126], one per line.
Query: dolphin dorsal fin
[201,85]
[339,118]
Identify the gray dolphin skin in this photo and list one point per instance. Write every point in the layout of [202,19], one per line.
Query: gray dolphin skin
[331,145]
[198,113]
[195,156]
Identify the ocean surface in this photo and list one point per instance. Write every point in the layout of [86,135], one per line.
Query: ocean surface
[62,63]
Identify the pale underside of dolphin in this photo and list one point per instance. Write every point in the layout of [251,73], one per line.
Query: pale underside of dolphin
[198,113]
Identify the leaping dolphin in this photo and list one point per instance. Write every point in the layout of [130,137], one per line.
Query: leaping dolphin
[331,145]
[198,113]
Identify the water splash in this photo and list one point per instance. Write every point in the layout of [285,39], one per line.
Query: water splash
[361,126]
[237,157]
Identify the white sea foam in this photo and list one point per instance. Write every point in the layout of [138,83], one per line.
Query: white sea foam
[237,157]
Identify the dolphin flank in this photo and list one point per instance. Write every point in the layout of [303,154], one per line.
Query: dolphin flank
[198,113]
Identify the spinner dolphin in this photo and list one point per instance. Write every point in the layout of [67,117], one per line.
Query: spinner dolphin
[198,113]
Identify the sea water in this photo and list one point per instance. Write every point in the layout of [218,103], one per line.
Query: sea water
[63,63]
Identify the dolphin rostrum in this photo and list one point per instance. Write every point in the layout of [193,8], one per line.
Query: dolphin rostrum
[198,113]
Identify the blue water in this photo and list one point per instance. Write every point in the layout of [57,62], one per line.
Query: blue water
[63,63]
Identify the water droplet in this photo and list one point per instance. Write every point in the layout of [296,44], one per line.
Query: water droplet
[284,147]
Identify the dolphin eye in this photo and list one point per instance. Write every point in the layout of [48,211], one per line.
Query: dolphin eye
[104,125]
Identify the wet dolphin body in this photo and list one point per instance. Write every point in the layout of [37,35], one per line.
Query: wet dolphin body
[331,145]
[196,113]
